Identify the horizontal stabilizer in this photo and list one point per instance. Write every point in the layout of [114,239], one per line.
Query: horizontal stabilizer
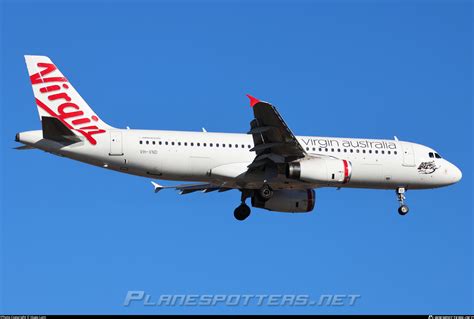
[24,147]
[55,130]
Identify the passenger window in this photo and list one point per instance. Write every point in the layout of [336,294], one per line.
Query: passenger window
[320,149]
[395,152]
[326,149]
[172,143]
[307,148]
[351,150]
[370,151]
[147,142]
[383,152]
[160,142]
[363,151]
[185,143]
[166,143]
[230,145]
[338,150]
[376,151]
[249,146]
[332,150]
[192,144]
[236,145]
[357,150]
[243,146]
[210,144]
[314,149]
[141,142]
[345,150]
[388,152]
[153,142]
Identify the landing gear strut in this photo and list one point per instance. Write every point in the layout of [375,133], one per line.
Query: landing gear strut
[403,209]
[243,211]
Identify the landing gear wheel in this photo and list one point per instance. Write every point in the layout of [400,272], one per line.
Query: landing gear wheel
[242,212]
[265,192]
[403,210]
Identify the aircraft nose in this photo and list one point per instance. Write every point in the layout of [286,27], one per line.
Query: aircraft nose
[456,174]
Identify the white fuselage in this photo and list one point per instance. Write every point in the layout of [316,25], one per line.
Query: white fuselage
[224,157]
[277,170]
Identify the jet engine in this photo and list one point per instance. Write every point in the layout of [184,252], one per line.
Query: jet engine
[290,201]
[324,171]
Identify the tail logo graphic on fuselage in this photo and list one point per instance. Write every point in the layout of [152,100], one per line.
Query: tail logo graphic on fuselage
[68,112]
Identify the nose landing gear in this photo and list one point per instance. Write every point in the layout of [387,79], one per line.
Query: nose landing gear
[403,209]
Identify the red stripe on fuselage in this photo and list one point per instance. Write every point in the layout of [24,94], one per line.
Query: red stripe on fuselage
[346,172]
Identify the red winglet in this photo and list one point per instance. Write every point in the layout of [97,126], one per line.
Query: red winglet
[253,100]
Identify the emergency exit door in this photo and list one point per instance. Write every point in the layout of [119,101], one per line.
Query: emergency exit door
[408,155]
[116,147]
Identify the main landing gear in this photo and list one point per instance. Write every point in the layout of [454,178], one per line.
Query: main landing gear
[243,211]
[403,209]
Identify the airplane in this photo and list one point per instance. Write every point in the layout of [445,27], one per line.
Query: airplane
[276,169]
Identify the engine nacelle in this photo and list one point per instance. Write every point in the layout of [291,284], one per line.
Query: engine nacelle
[290,201]
[324,171]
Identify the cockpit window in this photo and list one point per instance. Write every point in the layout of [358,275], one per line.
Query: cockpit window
[434,155]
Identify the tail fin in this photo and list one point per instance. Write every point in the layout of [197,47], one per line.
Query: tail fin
[56,97]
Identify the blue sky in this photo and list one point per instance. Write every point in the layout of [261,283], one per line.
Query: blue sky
[76,238]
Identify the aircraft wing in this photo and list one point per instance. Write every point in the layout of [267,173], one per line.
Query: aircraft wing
[273,139]
[191,188]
